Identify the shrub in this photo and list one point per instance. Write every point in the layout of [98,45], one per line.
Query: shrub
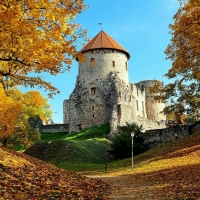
[122,142]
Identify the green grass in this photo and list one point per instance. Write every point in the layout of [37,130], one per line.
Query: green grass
[88,133]
[88,146]
[174,154]
[84,152]
[53,136]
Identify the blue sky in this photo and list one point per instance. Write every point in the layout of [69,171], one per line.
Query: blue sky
[140,26]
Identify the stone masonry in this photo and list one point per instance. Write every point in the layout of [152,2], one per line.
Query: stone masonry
[103,93]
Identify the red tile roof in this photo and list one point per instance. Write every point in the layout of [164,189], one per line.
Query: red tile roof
[103,41]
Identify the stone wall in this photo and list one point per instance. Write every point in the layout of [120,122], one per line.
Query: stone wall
[55,128]
[102,94]
[158,137]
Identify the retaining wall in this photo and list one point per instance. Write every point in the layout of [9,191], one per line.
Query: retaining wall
[55,128]
[158,137]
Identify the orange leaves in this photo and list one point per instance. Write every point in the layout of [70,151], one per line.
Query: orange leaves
[39,180]
[168,172]
[37,36]
[9,110]
[184,52]
[15,110]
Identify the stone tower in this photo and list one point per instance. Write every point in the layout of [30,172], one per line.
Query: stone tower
[102,93]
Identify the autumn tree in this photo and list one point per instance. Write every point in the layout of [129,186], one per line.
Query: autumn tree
[183,93]
[36,37]
[9,111]
[32,105]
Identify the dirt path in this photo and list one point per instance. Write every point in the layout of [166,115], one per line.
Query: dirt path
[126,188]
[173,183]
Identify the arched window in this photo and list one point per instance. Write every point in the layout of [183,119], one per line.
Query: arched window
[113,63]
[92,62]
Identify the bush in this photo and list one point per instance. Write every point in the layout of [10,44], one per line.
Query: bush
[122,142]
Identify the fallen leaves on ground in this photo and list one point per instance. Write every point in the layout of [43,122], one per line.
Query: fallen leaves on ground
[168,173]
[24,177]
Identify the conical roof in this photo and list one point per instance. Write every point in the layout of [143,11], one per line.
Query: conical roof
[103,41]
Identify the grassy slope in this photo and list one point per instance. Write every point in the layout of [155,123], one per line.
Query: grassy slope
[184,152]
[169,172]
[63,150]
[175,154]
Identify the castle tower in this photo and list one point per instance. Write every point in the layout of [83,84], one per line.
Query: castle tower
[102,56]
[154,109]
[95,94]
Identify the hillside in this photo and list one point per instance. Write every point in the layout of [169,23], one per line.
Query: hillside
[170,172]
[23,177]
[87,146]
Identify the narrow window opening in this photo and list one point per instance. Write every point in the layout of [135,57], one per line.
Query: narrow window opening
[92,62]
[126,66]
[113,63]
[137,105]
[92,115]
[118,113]
[143,108]
[92,108]
[131,87]
[93,91]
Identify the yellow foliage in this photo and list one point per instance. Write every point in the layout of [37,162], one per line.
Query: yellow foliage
[182,94]
[38,36]
[9,110]
[15,110]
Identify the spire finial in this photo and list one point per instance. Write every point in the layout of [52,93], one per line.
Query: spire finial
[101,26]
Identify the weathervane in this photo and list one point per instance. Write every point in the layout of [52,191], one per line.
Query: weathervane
[101,26]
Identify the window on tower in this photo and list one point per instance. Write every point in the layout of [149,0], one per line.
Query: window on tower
[93,91]
[92,62]
[126,64]
[137,105]
[113,63]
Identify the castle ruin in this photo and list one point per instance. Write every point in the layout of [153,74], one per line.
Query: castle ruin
[103,93]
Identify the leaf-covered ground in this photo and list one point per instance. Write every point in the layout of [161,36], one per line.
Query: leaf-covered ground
[171,172]
[23,177]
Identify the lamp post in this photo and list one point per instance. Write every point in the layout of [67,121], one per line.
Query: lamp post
[132,135]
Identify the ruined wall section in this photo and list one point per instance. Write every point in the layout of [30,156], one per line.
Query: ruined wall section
[130,105]
[86,109]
